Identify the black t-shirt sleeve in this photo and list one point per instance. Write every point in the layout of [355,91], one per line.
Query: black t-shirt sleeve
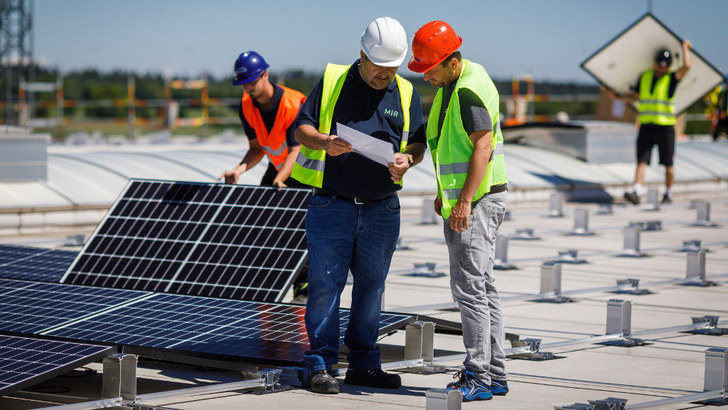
[291,131]
[417,123]
[473,112]
[309,111]
[249,131]
[673,85]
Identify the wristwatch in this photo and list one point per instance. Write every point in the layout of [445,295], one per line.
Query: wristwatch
[410,160]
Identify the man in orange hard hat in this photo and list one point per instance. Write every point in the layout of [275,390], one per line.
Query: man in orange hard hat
[467,149]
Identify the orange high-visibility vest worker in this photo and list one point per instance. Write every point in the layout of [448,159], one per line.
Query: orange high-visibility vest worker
[274,142]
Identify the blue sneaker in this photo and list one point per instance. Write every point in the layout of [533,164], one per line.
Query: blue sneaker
[470,387]
[499,387]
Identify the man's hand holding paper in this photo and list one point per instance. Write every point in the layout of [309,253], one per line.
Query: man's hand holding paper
[366,145]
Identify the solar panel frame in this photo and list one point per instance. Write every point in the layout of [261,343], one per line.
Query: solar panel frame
[34,307]
[32,263]
[618,64]
[25,362]
[157,324]
[198,239]
[212,328]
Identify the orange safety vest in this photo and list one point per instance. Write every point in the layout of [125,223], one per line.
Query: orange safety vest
[274,142]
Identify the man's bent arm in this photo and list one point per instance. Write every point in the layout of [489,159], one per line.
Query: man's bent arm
[476,172]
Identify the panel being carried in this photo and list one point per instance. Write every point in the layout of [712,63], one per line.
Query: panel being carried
[25,361]
[620,62]
[219,240]
[24,262]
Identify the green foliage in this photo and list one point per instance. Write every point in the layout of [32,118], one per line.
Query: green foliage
[102,96]
[698,127]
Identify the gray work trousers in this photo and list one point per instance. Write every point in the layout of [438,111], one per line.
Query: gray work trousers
[472,254]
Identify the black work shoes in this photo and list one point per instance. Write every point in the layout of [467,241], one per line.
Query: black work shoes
[373,378]
[322,381]
[632,197]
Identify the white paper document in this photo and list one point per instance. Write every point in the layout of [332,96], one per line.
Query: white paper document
[366,145]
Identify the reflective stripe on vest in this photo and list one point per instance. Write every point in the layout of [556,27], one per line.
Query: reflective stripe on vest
[451,147]
[654,105]
[310,163]
[274,142]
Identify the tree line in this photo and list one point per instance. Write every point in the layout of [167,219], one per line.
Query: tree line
[93,85]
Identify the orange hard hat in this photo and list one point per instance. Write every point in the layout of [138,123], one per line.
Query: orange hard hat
[431,45]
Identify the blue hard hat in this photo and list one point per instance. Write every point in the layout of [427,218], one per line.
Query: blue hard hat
[248,67]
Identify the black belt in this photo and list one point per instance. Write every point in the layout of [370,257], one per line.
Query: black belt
[356,200]
[496,189]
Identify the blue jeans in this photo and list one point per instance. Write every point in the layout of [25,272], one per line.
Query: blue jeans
[472,256]
[344,236]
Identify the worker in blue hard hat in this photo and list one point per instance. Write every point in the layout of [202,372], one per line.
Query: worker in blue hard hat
[655,91]
[267,112]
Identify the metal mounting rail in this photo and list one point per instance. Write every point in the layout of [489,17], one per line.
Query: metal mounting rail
[537,296]
[97,404]
[708,395]
[213,388]
[589,340]
[419,308]
[404,364]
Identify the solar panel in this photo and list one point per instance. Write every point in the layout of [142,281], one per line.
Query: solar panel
[25,361]
[32,307]
[210,327]
[157,322]
[219,240]
[24,262]
[619,63]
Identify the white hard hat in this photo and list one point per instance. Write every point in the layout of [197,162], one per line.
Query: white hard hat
[385,42]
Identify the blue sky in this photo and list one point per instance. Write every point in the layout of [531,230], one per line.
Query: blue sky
[547,39]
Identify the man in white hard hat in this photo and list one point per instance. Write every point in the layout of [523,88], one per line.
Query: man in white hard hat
[352,223]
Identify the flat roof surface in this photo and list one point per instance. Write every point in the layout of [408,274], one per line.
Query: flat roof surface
[92,175]
[670,364]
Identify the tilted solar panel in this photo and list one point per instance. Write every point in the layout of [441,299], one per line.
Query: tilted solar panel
[32,307]
[219,240]
[200,325]
[25,361]
[205,327]
[30,263]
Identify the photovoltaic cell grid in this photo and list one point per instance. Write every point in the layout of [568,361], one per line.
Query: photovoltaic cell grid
[201,326]
[219,240]
[24,262]
[206,326]
[25,361]
[32,307]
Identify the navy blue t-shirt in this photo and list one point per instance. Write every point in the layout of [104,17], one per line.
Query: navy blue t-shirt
[374,112]
[269,118]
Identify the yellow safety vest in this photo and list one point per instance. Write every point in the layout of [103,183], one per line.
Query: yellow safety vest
[452,150]
[309,166]
[654,106]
